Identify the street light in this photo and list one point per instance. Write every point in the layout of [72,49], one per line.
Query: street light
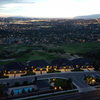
[54,79]
[26,69]
[14,74]
[77,66]
[8,72]
[55,88]
[93,81]
[47,68]
[60,88]
[32,67]
[41,70]
[64,69]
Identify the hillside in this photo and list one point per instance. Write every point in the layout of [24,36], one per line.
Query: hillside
[94,16]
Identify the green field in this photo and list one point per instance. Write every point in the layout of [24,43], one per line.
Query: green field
[81,47]
[24,53]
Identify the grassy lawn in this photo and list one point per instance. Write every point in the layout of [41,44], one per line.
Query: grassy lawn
[37,55]
[69,48]
[26,53]
[81,47]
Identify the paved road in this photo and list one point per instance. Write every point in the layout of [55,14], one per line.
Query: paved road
[94,95]
[77,78]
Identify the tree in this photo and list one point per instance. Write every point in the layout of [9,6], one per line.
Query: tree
[29,90]
[32,89]
[3,90]
[25,83]
[96,65]
[12,92]
[17,84]
[35,80]
[8,84]
[65,84]
[23,91]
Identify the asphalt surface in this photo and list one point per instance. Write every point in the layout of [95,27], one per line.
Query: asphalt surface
[93,95]
[77,79]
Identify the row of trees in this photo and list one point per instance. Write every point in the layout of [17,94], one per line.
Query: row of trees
[62,84]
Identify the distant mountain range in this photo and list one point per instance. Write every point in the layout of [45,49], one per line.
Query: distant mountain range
[94,16]
[17,17]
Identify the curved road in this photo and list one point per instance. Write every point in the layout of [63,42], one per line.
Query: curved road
[77,79]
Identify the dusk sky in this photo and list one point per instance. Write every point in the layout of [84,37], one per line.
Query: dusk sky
[49,8]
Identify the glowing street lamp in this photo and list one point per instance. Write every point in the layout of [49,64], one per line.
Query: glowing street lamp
[54,79]
[41,70]
[55,67]
[14,74]
[77,66]
[93,81]
[8,72]
[32,67]
[82,67]
[55,88]
[47,68]
[64,69]
[4,74]
[60,88]
[25,68]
